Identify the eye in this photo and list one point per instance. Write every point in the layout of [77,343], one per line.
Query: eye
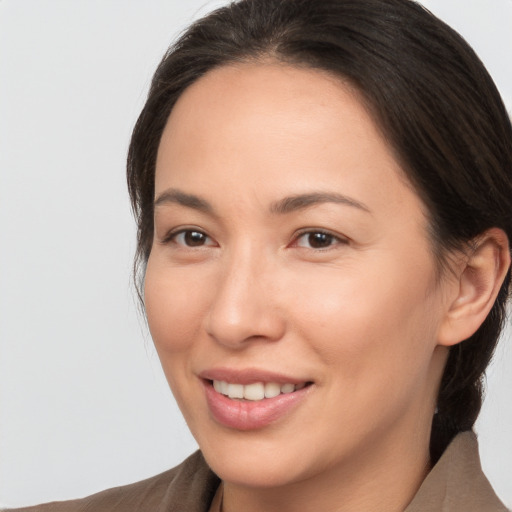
[190,238]
[318,240]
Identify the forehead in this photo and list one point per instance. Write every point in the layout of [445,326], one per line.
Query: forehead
[269,101]
[272,127]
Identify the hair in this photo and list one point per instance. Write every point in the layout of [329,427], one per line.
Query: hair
[426,90]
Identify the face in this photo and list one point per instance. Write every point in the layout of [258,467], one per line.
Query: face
[291,290]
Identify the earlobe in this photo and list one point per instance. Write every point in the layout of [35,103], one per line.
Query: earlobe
[481,273]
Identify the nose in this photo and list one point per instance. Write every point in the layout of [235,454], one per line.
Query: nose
[244,307]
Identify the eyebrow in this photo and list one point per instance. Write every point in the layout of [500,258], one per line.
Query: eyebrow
[302,201]
[175,196]
[283,206]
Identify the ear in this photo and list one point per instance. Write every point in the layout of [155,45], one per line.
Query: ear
[481,274]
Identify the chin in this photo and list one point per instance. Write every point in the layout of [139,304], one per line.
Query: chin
[255,468]
[268,458]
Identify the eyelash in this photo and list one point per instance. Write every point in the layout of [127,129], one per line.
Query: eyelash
[173,235]
[332,239]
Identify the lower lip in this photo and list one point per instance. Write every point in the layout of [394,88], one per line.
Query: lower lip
[251,415]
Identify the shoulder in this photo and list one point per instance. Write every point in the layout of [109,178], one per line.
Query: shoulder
[187,487]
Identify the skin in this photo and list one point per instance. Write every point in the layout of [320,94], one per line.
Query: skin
[364,317]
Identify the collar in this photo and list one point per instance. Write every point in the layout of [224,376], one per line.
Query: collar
[457,483]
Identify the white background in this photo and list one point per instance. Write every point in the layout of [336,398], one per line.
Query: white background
[83,403]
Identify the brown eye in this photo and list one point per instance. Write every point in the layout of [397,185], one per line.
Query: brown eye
[318,240]
[192,238]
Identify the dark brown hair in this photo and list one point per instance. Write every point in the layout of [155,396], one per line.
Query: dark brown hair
[427,91]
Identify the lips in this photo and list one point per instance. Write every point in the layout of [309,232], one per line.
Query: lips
[251,399]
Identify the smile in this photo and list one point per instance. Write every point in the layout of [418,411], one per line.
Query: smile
[252,405]
[255,391]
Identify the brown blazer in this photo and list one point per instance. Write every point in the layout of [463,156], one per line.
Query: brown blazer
[455,484]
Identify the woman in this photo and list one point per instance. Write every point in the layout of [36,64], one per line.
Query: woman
[322,196]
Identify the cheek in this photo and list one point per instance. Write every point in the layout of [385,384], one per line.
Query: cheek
[174,304]
[372,325]
[174,301]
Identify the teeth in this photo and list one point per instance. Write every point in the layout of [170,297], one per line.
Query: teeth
[272,389]
[287,388]
[235,390]
[256,391]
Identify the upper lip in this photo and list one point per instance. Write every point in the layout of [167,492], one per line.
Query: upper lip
[249,376]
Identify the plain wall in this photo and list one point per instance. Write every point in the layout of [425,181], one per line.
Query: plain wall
[83,402]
